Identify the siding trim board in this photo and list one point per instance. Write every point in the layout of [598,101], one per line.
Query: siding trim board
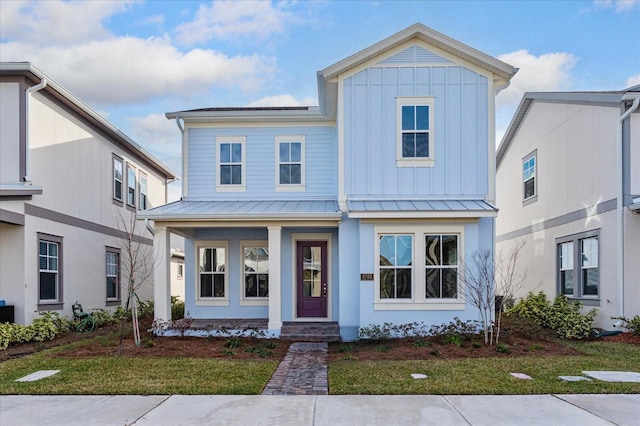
[604,207]
[13,218]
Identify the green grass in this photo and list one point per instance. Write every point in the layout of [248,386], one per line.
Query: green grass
[488,376]
[138,376]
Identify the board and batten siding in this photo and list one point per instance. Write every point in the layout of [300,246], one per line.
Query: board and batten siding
[320,152]
[461,132]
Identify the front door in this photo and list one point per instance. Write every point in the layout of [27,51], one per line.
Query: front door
[312,279]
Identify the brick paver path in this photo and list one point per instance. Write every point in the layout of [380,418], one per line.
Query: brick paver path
[303,371]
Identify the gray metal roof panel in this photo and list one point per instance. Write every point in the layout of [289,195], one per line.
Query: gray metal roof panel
[419,205]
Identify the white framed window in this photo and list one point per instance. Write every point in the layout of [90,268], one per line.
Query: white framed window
[117,179]
[418,267]
[180,271]
[230,163]
[415,131]
[290,163]
[50,271]
[142,196]
[113,274]
[529,180]
[255,276]
[578,266]
[212,279]
[131,186]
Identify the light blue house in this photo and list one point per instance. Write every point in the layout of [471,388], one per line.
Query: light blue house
[354,212]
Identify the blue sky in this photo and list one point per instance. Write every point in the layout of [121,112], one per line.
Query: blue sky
[132,61]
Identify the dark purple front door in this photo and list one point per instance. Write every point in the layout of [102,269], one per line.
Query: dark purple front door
[312,279]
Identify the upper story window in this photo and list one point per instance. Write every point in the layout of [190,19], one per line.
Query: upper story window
[230,163]
[117,179]
[415,133]
[143,192]
[131,186]
[290,174]
[529,184]
[578,265]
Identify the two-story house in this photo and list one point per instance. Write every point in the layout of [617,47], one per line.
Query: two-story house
[354,212]
[66,178]
[568,181]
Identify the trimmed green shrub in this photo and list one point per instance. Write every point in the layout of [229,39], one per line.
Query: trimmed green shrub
[177,308]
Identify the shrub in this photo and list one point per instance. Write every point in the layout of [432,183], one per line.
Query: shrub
[632,324]
[502,348]
[535,307]
[177,308]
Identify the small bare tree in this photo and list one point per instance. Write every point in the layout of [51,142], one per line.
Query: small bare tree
[485,278]
[138,261]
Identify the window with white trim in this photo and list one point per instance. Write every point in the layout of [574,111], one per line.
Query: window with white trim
[231,168]
[180,271]
[131,186]
[290,162]
[578,265]
[418,267]
[415,132]
[212,271]
[255,283]
[113,273]
[50,269]
[142,196]
[529,184]
[117,179]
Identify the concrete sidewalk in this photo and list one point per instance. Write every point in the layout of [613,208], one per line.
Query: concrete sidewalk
[320,410]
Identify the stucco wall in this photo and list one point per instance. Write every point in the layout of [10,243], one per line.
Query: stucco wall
[9,132]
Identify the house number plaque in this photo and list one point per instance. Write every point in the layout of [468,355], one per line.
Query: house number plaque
[366,277]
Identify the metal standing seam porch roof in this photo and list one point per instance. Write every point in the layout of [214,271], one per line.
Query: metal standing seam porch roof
[238,210]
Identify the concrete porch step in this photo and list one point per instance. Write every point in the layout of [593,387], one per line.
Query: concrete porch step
[315,331]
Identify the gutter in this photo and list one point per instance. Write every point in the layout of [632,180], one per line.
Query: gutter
[43,83]
[635,97]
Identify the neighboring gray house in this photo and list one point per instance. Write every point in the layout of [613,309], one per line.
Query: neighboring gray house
[568,182]
[66,174]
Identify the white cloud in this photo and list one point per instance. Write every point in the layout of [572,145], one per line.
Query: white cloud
[57,22]
[283,100]
[634,80]
[128,69]
[229,19]
[619,6]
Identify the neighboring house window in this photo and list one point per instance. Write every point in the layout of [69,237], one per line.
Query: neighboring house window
[529,184]
[143,192]
[117,179]
[212,271]
[290,168]
[231,163]
[131,186]
[113,273]
[441,266]
[180,271]
[578,265]
[396,260]
[415,144]
[256,271]
[50,269]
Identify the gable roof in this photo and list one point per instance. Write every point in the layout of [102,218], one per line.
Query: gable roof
[429,36]
[83,111]
[610,99]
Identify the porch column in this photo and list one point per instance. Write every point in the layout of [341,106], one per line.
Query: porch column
[275,275]
[161,274]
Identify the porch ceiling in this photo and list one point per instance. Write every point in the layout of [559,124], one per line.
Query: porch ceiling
[245,210]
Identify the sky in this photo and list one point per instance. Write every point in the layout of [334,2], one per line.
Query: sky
[133,61]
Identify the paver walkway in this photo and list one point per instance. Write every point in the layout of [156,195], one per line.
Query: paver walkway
[303,371]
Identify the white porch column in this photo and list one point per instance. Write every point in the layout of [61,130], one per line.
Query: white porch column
[161,274]
[275,275]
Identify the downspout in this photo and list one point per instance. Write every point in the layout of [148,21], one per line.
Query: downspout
[620,202]
[43,83]
[149,227]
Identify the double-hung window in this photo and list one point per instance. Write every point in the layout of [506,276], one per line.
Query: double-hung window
[230,163]
[290,163]
[212,281]
[415,133]
[131,186]
[529,184]
[255,282]
[578,266]
[441,254]
[113,274]
[396,271]
[50,269]
[117,180]
[142,197]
